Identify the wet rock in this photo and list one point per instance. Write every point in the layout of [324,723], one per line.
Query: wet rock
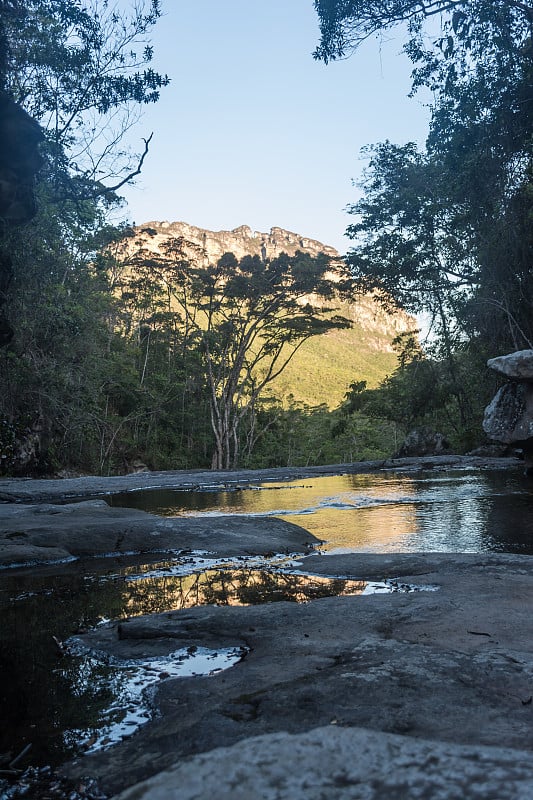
[29,490]
[439,681]
[46,533]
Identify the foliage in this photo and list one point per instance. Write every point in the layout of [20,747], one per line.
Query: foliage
[345,24]
[83,70]
[423,393]
[303,435]
[449,230]
[80,69]
[242,321]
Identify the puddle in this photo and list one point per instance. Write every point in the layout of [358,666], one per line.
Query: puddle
[127,683]
[63,701]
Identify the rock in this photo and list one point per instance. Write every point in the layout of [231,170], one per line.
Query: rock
[50,533]
[241,241]
[56,490]
[440,681]
[337,356]
[423,442]
[20,160]
[517,366]
[509,416]
[333,763]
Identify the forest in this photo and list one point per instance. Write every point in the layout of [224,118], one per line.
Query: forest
[112,356]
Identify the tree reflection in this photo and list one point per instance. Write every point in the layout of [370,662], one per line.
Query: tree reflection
[232,587]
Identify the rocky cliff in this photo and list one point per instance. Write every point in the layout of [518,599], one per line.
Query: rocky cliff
[326,365]
[241,241]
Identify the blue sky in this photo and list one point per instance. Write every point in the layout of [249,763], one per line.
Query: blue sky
[253,131]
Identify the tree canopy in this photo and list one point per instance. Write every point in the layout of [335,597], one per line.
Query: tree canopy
[448,229]
[244,318]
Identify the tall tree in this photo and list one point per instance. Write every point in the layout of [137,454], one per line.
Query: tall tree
[246,318]
[469,194]
[82,71]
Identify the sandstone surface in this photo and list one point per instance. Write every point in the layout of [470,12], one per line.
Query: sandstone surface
[333,763]
[417,691]
[509,416]
[53,490]
[242,241]
[40,534]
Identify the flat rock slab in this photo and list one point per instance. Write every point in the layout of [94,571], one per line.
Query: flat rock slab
[452,666]
[29,490]
[40,534]
[333,763]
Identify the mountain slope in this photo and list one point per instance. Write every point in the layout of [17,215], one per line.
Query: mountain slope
[324,367]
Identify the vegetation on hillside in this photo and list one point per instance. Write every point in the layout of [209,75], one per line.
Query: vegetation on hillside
[449,229]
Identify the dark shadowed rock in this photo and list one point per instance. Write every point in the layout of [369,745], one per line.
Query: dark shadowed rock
[336,763]
[423,442]
[440,681]
[46,532]
[509,416]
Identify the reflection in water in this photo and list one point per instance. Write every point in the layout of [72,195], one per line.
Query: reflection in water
[58,699]
[125,684]
[449,511]
[232,587]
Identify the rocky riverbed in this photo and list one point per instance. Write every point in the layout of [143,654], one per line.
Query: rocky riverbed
[417,694]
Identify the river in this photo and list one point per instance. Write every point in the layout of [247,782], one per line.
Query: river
[64,701]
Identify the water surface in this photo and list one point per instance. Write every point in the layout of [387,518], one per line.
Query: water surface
[449,511]
[64,702]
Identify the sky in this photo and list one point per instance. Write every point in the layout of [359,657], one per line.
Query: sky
[253,131]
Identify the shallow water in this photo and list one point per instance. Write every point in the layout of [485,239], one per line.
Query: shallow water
[64,701]
[452,511]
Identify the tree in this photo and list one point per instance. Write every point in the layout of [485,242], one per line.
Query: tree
[468,196]
[246,318]
[345,24]
[82,71]
[449,230]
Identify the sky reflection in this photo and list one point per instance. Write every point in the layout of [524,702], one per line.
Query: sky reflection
[451,511]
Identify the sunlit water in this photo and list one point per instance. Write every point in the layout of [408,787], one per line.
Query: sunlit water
[453,511]
[64,701]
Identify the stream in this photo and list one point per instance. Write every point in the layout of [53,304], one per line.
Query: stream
[64,701]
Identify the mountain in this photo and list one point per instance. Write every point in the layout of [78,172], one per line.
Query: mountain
[324,367]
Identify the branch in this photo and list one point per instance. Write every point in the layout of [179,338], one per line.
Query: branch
[127,179]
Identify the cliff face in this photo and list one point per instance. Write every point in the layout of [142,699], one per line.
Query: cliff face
[242,241]
[325,366]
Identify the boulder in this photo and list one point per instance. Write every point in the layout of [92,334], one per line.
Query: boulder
[334,763]
[423,442]
[516,366]
[509,417]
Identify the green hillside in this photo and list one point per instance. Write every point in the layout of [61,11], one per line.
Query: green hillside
[325,366]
